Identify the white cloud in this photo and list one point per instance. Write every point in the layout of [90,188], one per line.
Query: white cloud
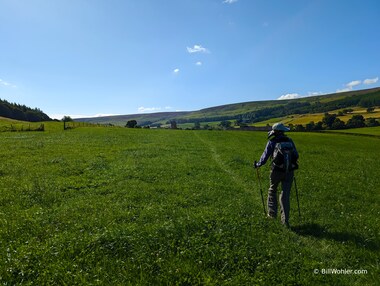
[315,93]
[344,89]
[143,109]
[229,1]
[349,86]
[5,83]
[197,49]
[371,80]
[297,95]
[198,63]
[60,116]
[289,96]
[176,71]
[353,83]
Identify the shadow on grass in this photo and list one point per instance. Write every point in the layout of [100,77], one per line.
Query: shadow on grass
[318,231]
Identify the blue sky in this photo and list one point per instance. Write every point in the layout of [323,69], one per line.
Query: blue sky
[93,57]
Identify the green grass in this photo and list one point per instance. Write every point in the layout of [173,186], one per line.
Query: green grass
[365,131]
[117,206]
[7,124]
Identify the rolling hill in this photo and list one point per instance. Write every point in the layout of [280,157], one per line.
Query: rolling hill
[254,111]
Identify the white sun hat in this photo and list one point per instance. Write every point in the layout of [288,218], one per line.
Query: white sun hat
[279,127]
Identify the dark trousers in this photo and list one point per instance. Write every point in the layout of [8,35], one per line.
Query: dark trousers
[286,180]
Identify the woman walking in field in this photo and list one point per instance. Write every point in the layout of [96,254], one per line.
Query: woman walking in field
[281,149]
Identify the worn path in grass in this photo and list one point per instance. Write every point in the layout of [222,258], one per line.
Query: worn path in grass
[223,166]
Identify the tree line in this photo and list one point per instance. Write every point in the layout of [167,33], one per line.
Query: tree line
[333,122]
[22,112]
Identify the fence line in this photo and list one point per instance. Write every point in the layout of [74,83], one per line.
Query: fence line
[22,127]
[73,124]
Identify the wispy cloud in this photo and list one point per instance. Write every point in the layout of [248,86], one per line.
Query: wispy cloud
[353,83]
[176,71]
[371,80]
[143,109]
[315,93]
[349,86]
[6,84]
[229,1]
[198,63]
[344,89]
[289,96]
[197,49]
[297,95]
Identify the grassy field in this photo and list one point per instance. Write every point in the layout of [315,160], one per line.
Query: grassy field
[374,131]
[117,206]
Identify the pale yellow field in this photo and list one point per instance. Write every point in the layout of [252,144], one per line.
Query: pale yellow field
[307,118]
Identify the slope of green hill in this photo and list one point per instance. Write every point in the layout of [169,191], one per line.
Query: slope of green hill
[254,111]
[7,124]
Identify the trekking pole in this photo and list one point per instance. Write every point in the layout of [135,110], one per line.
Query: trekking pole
[261,189]
[298,201]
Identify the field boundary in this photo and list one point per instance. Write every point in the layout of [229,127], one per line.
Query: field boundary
[17,127]
[348,133]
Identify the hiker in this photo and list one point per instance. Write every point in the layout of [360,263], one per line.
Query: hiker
[284,157]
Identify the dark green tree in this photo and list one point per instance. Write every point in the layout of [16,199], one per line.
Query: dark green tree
[197,125]
[338,124]
[67,119]
[371,122]
[131,124]
[225,124]
[310,126]
[328,120]
[370,109]
[173,124]
[356,121]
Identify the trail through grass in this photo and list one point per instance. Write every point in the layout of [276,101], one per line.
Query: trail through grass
[223,166]
[115,206]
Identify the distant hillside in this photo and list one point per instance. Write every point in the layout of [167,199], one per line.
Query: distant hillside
[21,112]
[254,111]
[142,119]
